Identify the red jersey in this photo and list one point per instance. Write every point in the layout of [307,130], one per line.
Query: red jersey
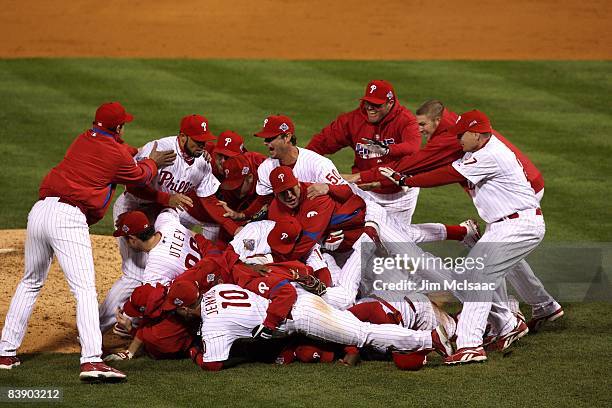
[252,202]
[398,130]
[444,148]
[319,216]
[93,165]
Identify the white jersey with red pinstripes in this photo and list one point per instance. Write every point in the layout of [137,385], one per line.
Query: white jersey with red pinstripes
[176,251]
[229,313]
[180,176]
[497,182]
[310,167]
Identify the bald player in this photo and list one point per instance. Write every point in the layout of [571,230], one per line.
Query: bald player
[229,312]
[505,199]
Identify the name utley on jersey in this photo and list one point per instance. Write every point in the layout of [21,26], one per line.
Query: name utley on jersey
[176,251]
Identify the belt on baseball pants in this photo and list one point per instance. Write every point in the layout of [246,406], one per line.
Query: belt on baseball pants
[538,211]
[65,201]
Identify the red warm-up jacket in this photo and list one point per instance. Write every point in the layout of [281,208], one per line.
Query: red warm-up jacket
[94,164]
[398,130]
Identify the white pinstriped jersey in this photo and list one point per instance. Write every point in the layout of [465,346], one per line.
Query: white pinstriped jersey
[252,240]
[176,251]
[310,167]
[180,177]
[229,313]
[498,184]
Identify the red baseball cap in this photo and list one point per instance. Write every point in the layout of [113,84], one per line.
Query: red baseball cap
[236,169]
[181,293]
[275,125]
[473,121]
[313,354]
[413,361]
[378,92]
[229,144]
[196,127]
[282,178]
[284,235]
[111,114]
[145,301]
[131,223]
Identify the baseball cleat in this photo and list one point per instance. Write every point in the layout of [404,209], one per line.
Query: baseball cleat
[536,323]
[440,342]
[100,372]
[503,342]
[473,233]
[8,362]
[467,355]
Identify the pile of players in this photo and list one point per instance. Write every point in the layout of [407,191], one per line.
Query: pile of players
[285,240]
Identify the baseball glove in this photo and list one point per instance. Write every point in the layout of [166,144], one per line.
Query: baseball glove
[312,284]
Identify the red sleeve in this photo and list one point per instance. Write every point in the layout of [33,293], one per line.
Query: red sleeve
[256,205]
[411,140]
[340,192]
[148,193]
[438,177]
[216,213]
[129,172]
[371,312]
[313,227]
[332,138]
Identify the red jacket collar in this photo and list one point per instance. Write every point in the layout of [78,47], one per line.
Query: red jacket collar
[448,119]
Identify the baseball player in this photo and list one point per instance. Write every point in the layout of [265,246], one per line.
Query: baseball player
[380,131]
[229,144]
[171,248]
[505,199]
[72,196]
[188,180]
[229,313]
[442,148]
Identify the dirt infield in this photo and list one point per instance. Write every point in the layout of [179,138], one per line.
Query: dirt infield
[315,29]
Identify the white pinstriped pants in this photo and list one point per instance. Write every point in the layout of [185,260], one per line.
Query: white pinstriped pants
[60,229]
[502,246]
[313,317]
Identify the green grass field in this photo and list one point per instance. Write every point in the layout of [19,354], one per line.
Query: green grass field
[559,113]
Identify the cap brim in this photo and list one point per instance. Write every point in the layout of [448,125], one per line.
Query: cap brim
[203,137]
[374,100]
[130,310]
[283,187]
[281,247]
[226,152]
[264,134]
[128,117]
[231,184]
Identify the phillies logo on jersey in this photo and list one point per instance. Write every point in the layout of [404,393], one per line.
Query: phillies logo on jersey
[262,287]
[166,179]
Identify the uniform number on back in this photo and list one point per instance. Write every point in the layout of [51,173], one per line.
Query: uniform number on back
[236,296]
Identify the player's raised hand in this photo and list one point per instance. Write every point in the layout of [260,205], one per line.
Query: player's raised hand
[229,213]
[180,201]
[316,190]
[162,158]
